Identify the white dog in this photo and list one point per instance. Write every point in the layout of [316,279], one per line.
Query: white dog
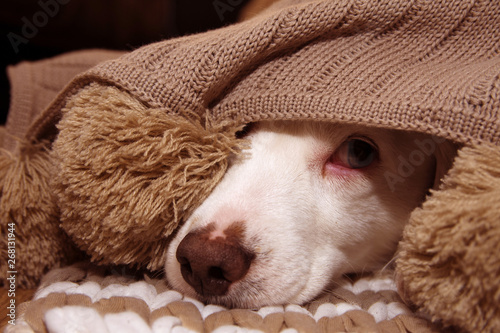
[306,203]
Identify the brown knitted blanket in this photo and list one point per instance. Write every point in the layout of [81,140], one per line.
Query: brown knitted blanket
[113,299]
[428,66]
[35,85]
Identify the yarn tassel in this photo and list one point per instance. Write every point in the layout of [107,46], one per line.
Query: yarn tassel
[31,241]
[128,174]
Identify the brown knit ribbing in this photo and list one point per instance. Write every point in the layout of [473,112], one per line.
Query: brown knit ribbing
[430,66]
[34,86]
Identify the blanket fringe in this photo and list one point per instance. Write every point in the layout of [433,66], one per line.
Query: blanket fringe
[29,217]
[449,248]
[128,174]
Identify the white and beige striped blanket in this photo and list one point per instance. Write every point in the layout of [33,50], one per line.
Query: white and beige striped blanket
[85,298]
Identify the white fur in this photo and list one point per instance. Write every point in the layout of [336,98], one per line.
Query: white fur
[307,224]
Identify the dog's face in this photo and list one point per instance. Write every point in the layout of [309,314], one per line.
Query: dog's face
[306,203]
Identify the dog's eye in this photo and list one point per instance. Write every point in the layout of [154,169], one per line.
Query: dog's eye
[356,154]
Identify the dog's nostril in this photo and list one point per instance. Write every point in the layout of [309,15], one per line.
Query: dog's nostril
[183,261]
[187,268]
[216,273]
[210,266]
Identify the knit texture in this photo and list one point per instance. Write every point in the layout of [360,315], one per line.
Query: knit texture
[35,84]
[27,198]
[430,66]
[162,119]
[99,300]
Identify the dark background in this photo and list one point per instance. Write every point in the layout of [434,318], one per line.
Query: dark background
[37,29]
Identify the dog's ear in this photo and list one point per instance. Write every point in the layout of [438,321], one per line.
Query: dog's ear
[444,154]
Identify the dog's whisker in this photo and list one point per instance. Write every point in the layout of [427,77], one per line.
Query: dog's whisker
[157,274]
[388,264]
[352,267]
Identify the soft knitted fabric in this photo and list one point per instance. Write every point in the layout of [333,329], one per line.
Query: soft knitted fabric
[430,66]
[163,118]
[35,85]
[26,197]
[99,300]
[253,8]
[448,259]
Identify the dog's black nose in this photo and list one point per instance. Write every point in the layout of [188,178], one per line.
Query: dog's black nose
[210,264]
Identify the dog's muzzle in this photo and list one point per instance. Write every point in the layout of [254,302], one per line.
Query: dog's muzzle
[212,260]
